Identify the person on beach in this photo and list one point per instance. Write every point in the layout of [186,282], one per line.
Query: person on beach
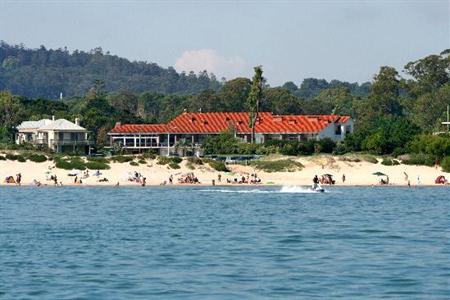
[409,183]
[55,180]
[315,182]
[213,182]
[171,179]
[406,176]
[144,180]
[343,178]
[75,180]
[18,178]
[219,177]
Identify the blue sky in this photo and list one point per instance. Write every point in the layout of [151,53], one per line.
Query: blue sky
[292,40]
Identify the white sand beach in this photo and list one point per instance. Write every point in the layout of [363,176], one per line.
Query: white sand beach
[356,173]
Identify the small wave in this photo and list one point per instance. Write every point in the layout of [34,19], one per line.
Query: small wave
[296,189]
[253,191]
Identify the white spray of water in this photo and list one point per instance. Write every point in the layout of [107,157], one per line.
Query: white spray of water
[284,189]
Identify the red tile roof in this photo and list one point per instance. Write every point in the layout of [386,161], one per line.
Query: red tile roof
[216,122]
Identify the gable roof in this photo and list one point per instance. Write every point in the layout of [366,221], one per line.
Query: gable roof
[216,122]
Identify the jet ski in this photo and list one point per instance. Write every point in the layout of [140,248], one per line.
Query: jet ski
[318,188]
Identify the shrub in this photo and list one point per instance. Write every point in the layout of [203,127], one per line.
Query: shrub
[142,161]
[97,165]
[174,165]
[284,165]
[176,159]
[370,159]
[149,155]
[389,162]
[419,159]
[217,165]
[37,157]
[2,157]
[164,160]
[133,163]
[98,159]
[445,164]
[10,156]
[438,146]
[121,158]
[195,160]
[70,163]
[20,158]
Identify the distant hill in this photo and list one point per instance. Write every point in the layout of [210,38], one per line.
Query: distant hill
[45,73]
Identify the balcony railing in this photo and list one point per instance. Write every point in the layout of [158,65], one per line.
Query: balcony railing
[70,142]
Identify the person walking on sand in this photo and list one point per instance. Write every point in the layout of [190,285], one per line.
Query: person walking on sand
[55,179]
[144,180]
[343,178]
[219,177]
[18,178]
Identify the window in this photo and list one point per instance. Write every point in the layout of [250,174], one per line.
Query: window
[337,130]
[74,136]
[61,136]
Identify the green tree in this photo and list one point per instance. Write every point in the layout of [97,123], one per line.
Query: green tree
[281,101]
[10,111]
[234,94]
[254,98]
[383,99]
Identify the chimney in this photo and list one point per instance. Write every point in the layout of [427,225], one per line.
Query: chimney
[53,118]
[77,121]
[118,124]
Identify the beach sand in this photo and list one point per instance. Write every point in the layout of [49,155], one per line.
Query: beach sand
[356,173]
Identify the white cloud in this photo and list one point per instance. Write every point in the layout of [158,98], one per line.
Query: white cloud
[198,60]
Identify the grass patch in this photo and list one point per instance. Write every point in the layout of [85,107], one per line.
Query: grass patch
[164,160]
[390,162]
[97,165]
[121,159]
[98,159]
[283,165]
[142,161]
[133,163]
[350,158]
[174,165]
[370,159]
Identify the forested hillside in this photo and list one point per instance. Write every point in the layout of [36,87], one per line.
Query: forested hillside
[45,73]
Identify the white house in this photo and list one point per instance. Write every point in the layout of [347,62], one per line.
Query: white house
[59,135]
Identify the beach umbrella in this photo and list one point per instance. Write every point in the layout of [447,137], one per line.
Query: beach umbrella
[379,174]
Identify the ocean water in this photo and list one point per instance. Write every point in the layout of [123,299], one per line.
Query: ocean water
[224,243]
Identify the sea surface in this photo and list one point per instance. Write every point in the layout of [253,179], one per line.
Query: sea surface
[224,243]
